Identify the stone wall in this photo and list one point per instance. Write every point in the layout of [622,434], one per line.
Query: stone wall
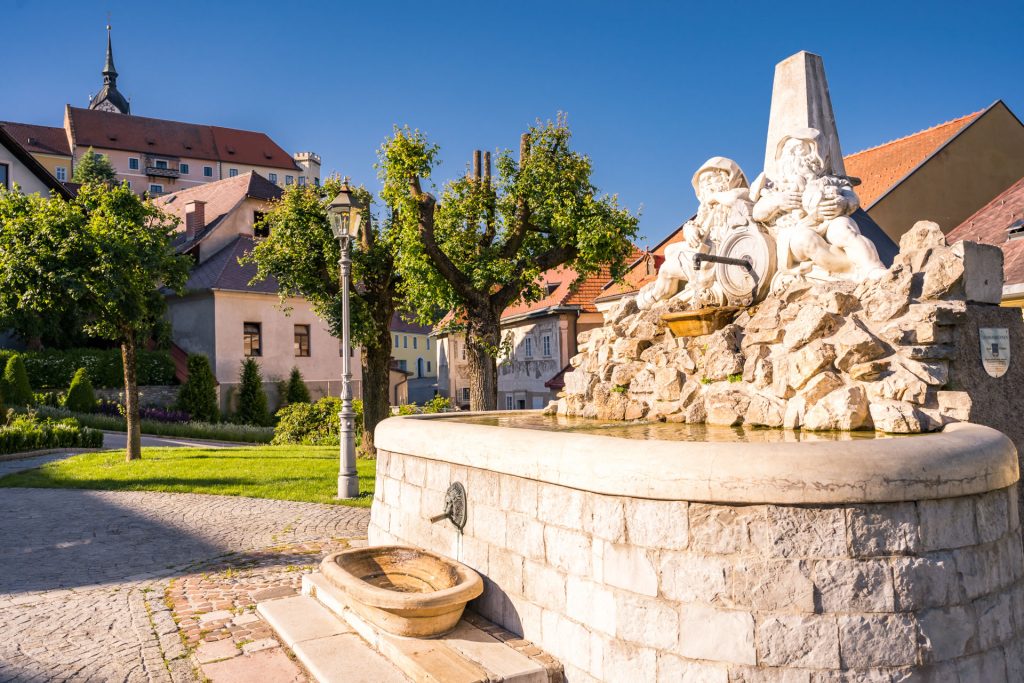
[624,588]
[151,396]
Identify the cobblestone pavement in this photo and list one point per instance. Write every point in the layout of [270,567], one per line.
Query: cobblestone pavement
[12,466]
[88,575]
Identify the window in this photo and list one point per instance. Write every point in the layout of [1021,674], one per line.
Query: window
[302,181]
[273,178]
[428,343]
[521,404]
[133,163]
[405,341]
[183,169]
[156,189]
[463,352]
[403,365]
[302,341]
[232,172]
[396,341]
[5,180]
[288,180]
[528,346]
[508,402]
[252,339]
[62,173]
[160,163]
[428,367]
[259,230]
[316,181]
[545,344]
[207,171]
[465,394]
[414,342]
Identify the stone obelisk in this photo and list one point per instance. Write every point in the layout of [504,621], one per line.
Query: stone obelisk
[800,100]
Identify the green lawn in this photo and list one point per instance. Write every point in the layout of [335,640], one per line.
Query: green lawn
[305,473]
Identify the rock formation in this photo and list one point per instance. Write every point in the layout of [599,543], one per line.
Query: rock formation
[814,355]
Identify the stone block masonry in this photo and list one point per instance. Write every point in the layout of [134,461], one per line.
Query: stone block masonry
[678,590]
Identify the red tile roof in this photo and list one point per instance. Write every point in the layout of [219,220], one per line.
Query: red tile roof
[221,197]
[21,154]
[882,167]
[564,288]
[989,225]
[109,130]
[39,139]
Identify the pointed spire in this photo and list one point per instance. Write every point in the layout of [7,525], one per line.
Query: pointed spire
[109,72]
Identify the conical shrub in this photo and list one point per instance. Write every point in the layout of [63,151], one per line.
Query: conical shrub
[297,390]
[17,391]
[198,395]
[252,400]
[80,398]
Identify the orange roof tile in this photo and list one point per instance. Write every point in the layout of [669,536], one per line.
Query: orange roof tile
[882,167]
[989,225]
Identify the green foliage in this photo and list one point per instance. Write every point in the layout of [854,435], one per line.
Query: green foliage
[198,395]
[408,409]
[252,400]
[94,168]
[17,390]
[492,240]
[26,432]
[80,398]
[738,377]
[55,368]
[438,404]
[297,391]
[314,424]
[706,380]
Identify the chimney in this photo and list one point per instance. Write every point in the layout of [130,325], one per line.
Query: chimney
[195,218]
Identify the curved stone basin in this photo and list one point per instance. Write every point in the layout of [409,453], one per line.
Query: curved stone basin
[761,556]
[403,590]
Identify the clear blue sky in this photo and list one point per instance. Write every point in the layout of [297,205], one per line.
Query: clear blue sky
[651,88]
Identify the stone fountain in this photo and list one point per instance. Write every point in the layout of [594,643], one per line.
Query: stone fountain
[839,510]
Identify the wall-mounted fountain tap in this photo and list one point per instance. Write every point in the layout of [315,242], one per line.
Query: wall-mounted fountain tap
[454,506]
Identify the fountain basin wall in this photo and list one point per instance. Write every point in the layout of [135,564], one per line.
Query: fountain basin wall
[657,560]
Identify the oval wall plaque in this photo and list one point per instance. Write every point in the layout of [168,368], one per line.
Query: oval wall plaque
[995,350]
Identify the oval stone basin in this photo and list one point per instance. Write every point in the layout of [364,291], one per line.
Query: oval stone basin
[403,590]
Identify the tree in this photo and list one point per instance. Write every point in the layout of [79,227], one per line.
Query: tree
[17,390]
[296,391]
[94,168]
[40,245]
[198,395]
[80,398]
[483,247]
[302,254]
[252,400]
[103,258]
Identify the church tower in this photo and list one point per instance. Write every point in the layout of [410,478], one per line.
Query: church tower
[109,97]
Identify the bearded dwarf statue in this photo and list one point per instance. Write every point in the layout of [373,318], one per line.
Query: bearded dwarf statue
[808,213]
[725,204]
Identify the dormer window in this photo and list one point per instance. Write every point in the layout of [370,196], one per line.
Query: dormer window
[551,287]
[1016,230]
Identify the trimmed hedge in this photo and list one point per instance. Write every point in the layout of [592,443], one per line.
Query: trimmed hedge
[27,433]
[55,368]
[314,424]
[80,396]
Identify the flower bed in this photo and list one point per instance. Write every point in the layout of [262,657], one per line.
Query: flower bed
[28,432]
[187,430]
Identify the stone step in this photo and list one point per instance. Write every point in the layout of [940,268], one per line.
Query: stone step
[466,655]
[325,645]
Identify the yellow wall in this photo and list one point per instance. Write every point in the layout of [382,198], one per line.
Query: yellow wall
[51,161]
[410,347]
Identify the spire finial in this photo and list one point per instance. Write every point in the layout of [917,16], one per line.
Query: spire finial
[109,72]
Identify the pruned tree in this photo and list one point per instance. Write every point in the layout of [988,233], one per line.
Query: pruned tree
[482,247]
[302,254]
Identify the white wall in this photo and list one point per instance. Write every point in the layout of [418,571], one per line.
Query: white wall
[20,175]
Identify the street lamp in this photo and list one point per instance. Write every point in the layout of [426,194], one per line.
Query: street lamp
[344,214]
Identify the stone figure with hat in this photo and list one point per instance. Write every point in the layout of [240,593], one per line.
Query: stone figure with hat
[807,210]
[725,206]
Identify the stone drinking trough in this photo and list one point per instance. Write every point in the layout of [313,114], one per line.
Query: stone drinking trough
[860,559]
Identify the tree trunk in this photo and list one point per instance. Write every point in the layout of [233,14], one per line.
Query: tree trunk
[483,340]
[131,398]
[376,384]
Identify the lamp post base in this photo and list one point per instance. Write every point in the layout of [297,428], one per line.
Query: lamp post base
[348,486]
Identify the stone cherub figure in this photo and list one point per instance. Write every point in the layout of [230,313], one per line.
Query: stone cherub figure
[725,204]
[808,212]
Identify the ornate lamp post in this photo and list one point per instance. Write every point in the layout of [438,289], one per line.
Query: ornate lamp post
[345,214]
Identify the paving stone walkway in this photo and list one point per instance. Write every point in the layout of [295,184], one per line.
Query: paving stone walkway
[87,574]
